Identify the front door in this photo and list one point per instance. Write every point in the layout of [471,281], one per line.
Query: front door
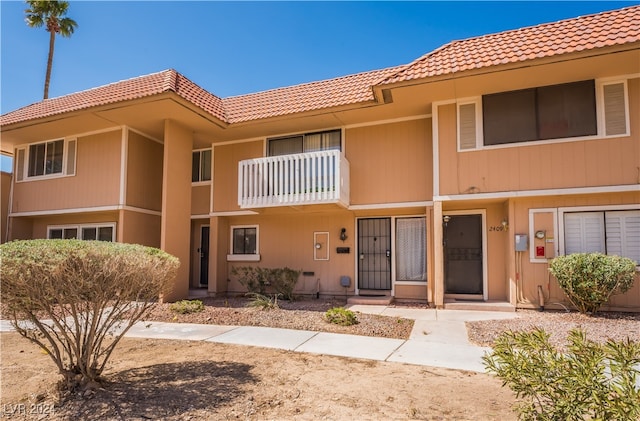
[463,267]
[204,255]
[374,254]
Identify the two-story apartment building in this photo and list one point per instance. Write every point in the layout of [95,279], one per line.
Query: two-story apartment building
[452,179]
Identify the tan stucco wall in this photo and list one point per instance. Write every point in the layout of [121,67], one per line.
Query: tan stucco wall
[225,172]
[200,199]
[390,163]
[139,228]
[96,183]
[144,172]
[288,240]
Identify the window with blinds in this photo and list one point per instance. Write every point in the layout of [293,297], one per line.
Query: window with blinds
[556,112]
[309,142]
[608,232]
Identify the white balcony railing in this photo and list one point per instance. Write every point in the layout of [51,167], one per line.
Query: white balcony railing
[289,180]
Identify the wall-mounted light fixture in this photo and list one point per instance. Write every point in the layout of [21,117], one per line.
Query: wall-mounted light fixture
[343,234]
[505,224]
[445,220]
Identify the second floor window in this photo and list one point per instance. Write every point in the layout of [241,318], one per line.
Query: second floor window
[54,158]
[309,142]
[46,158]
[548,112]
[568,111]
[201,166]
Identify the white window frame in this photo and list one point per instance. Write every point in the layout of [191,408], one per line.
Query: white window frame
[394,221]
[303,135]
[80,227]
[605,208]
[231,257]
[600,116]
[477,102]
[200,181]
[25,151]
[600,83]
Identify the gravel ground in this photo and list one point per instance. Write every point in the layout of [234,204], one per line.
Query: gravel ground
[307,314]
[599,328]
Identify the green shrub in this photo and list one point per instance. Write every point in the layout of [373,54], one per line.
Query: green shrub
[341,316]
[284,281]
[254,279]
[257,280]
[92,291]
[262,301]
[588,381]
[590,279]
[187,306]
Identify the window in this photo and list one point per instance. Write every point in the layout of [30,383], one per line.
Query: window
[201,166]
[244,243]
[549,112]
[566,111]
[46,159]
[310,142]
[102,232]
[608,232]
[411,249]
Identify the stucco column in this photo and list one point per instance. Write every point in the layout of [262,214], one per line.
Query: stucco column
[214,233]
[176,203]
[438,256]
[511,256]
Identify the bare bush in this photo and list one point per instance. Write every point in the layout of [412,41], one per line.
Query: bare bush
[76,299]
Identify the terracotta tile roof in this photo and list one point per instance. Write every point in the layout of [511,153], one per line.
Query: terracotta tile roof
[125,90]
[567,36]
[344,90]
[573,35]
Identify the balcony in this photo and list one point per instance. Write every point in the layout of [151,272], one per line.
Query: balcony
[292,180]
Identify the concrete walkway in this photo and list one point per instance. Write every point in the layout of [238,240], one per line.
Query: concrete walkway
[438,338]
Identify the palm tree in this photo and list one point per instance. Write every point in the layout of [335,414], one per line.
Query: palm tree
[51,13]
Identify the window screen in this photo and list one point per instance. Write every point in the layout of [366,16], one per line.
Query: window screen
[548,112]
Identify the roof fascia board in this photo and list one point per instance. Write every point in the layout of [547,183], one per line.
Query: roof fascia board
[96,110]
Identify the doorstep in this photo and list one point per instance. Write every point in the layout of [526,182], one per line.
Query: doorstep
[479,305]
[383,300]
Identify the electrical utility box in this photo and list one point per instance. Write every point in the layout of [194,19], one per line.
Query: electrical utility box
[522,242]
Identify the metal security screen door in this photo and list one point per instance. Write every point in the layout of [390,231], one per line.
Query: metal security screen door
[463,254]
[374,254]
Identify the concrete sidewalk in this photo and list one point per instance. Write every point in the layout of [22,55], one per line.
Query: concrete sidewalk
[438,338]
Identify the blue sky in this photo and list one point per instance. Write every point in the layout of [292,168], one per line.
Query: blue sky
[234,48]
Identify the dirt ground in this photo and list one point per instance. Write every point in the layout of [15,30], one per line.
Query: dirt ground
[184,380]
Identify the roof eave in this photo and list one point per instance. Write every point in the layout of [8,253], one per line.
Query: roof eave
[379,88]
